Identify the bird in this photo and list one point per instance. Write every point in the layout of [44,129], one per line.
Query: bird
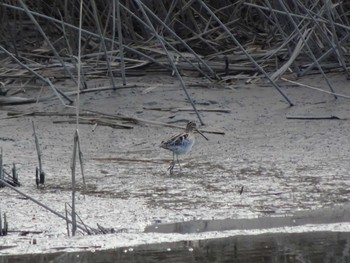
[181,143]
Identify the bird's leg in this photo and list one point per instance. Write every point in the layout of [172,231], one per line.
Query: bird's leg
[171,167]
[177,157]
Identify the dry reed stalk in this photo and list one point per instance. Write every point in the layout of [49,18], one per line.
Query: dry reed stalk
[104,47]
[247,54]
[183,85]
[310,51]
[260,27]
[47,40]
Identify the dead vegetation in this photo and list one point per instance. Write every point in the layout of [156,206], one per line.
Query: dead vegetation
[219,40]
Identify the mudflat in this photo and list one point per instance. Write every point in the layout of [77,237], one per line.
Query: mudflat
[273,159]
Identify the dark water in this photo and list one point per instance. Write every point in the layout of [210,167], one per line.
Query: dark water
[302,247]
[336,214]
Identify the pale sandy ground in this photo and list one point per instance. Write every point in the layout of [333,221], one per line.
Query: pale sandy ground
[284,165]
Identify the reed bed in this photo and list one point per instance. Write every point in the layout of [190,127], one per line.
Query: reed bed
[220,40]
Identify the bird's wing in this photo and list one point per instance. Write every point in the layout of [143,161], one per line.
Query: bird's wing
[175,140]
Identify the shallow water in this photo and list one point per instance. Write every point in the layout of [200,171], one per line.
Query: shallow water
[297,247]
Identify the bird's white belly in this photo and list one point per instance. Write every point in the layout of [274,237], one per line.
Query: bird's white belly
[185,147]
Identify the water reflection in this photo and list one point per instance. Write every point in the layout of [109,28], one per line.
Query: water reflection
[298,247]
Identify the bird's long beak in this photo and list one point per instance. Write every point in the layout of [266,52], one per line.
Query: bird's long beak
[202,134]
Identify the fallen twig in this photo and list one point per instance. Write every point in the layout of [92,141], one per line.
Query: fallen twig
[187,109]
[122,159]
[313,117]
[314,88]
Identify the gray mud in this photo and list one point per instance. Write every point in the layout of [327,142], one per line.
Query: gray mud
[282,165]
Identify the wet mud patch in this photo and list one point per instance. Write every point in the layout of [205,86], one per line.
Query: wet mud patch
[265,165]
[263,188]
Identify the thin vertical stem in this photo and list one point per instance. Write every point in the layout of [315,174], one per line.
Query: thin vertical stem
[183,85]
[37,148]
[67,222]
[98,26]
[46,80]
[335,41]
[1,169]
[74,218]
[113,24]
[79,63]
[57,55]
[120,39]
[0,223]
[245,52]
[307,46]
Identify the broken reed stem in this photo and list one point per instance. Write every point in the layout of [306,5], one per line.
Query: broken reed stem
[322,57]
[2,175]
[76,147]
[39,203]
[38,152]
[79,62]
[74,221]
[103,43]
[297,49]
[96,116]
[310,52]
[81,161]
[286,38]
[15,175]
[88,229]
[261,69]
[3,225]
[87,32]
[120,39]
[0,224]
[73,214]
[67,222]
[314,88]
[113,24]
[78,100]
[335,43]
[41,31]
[46,80]
[182,42]
[301,16]
[183,85]
[171,46]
